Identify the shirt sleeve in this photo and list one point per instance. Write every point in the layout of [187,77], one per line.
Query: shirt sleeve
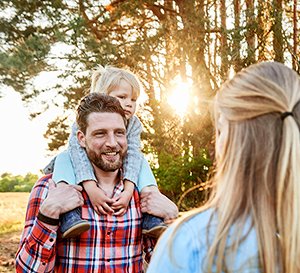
[36,252]
[82,166]
[133,160]
[176,252]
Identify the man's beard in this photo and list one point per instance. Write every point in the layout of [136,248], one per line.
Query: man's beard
[105,165]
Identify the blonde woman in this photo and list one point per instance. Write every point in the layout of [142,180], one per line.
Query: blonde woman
[252,223]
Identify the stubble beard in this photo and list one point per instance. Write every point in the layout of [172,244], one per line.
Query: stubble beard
[105,165]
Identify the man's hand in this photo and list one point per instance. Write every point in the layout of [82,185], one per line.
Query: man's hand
[100,201]
[120,204]
[61,199]
[155,203]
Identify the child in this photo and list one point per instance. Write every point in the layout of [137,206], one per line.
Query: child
[74,167]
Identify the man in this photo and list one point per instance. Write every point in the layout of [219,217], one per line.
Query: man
[113,243]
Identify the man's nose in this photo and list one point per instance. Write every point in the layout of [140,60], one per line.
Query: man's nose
[111,140]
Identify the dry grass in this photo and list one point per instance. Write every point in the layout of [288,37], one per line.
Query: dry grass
[12,211]
[12,215]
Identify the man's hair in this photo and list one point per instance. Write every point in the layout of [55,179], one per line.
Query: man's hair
[97,103]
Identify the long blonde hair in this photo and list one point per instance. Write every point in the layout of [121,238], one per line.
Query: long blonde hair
[105,79]
[258,168]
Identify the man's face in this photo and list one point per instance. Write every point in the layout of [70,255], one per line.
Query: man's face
[105,140]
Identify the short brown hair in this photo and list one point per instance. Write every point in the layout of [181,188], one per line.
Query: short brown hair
[97,103]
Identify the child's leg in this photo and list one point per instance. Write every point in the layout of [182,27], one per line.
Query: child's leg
[146,177]
[153,226]
[63,169]
[71,223]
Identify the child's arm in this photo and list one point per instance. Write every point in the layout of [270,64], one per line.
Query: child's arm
[84,174]
[133,160]
[131,165]
[82,166]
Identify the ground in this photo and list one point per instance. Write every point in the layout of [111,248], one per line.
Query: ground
[8,248]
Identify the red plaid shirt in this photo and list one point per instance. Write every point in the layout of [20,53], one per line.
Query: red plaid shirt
[112,244]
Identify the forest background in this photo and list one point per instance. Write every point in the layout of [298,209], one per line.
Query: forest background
[190,47]
[182,51]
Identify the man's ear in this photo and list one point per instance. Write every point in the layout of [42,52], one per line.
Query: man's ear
[81,138]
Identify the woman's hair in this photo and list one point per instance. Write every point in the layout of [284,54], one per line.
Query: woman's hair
[257,173]
[106,79]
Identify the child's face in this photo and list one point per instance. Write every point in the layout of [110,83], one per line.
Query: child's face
[124,94]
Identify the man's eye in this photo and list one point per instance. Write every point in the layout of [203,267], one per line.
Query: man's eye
[99,134]
[120,133]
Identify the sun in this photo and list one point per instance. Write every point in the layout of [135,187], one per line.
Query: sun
[179,98]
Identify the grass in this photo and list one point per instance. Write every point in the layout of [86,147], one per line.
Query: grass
[12,211]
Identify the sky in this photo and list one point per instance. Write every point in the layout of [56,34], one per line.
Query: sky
[22,145]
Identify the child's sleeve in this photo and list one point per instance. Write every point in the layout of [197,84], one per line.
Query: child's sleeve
[133,160]
[82,166]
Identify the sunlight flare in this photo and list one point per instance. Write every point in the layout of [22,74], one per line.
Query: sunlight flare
[179,98]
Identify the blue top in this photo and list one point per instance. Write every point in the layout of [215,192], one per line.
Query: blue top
[189,248]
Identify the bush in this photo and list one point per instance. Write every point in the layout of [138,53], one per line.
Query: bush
[17,183]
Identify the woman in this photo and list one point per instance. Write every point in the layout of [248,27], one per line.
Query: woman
[252,222]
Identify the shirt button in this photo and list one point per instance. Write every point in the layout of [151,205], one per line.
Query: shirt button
[43,263]
[108,233]
[51,239]
[108,260]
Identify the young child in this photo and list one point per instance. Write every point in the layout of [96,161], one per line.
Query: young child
[74,167]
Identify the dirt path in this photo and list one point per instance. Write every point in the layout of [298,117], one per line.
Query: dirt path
[8,246]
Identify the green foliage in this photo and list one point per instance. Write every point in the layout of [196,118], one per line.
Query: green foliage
[18,183]
[177,174]
[193,41]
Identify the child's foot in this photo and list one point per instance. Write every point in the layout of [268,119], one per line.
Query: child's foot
[71,224]
[153,226]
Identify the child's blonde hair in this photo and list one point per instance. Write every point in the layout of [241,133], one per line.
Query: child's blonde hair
[105,79]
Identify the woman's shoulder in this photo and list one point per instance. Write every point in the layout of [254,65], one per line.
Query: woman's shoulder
[198,219]
[192,225]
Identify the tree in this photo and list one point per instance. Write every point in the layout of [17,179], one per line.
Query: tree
[161,41]
[17,183]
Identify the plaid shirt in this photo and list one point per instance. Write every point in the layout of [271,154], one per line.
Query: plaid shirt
[112,244]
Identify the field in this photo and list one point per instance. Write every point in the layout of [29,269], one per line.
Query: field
[12,215]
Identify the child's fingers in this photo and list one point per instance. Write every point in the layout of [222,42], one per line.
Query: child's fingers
[120,212]
[108,200]
[107,208]
[115,199]
[117,204]
[100,210]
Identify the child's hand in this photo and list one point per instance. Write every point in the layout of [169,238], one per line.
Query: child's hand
[121,202]
[100,201]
